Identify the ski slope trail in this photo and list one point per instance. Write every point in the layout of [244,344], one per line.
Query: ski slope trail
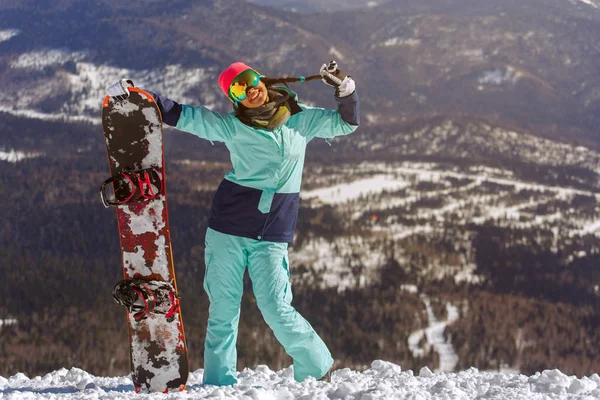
[434,334]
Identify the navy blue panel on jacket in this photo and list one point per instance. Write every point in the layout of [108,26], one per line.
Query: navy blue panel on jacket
[169,109]
[235,211]
[349,109]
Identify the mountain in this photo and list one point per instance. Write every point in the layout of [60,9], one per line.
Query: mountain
[500,60]
[504,61]
[467,200]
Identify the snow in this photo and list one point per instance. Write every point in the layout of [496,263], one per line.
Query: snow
[85,84]
[345,192]
[134,260]
[7,34]
[383,380]
[397,41]
[38,60]
[28,113]
[150,220]
[8,321]
[334,260]
[434,334]
[592,228]
[336,54]
[16,156]
[590,3]
[498,76]
[395,177]
[370,192]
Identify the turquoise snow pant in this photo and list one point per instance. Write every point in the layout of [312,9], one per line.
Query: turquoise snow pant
[226,259]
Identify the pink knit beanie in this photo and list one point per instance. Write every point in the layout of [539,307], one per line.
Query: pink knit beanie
[229,74]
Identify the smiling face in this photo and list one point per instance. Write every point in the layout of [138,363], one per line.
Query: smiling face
[256,96]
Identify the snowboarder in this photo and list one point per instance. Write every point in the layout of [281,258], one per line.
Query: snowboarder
[255,208]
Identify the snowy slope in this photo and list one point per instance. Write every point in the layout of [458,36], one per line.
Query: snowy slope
[383,380]
[389,196]
[435,337]
[81,85]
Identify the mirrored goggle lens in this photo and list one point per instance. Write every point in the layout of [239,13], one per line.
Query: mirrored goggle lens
[244,81]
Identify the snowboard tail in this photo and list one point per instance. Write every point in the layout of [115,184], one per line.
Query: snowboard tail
[137,189]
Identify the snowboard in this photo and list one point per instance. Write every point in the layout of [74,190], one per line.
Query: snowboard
[136,188]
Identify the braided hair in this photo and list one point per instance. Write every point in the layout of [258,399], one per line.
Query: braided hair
[271,81]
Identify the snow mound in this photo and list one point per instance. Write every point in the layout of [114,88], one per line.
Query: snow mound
[384,380]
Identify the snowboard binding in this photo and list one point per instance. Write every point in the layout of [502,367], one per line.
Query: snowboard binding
[142,297]
[130,186]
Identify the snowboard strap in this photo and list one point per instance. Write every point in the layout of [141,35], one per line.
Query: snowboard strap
[142,297]
[137,186]
[144,185]
[147,295]
[174,306]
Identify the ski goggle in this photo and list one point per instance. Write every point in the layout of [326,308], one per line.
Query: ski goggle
[244,81]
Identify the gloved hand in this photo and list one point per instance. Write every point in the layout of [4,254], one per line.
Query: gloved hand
[120,90]
[331,75]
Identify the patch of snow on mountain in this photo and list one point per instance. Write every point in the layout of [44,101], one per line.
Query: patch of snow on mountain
[498,76]
[514,183]
[350,191]
[401,201]
[172,81]
[434,334]
[16,156]
[336,54]
[38,60]
[590,3]
[482,140]
[473,55]
[370,193]
[397,41]
[467,274]
[592,228]
[7,34]
[7,322]
[48,117]
[81,86]
[344,263]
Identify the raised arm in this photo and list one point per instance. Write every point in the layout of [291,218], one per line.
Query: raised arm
[327,124]
[199,121]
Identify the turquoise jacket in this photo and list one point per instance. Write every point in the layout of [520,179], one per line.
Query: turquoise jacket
[259,197]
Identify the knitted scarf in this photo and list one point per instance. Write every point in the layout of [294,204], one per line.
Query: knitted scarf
[270,115]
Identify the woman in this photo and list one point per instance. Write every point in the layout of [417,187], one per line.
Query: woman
[255,208]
